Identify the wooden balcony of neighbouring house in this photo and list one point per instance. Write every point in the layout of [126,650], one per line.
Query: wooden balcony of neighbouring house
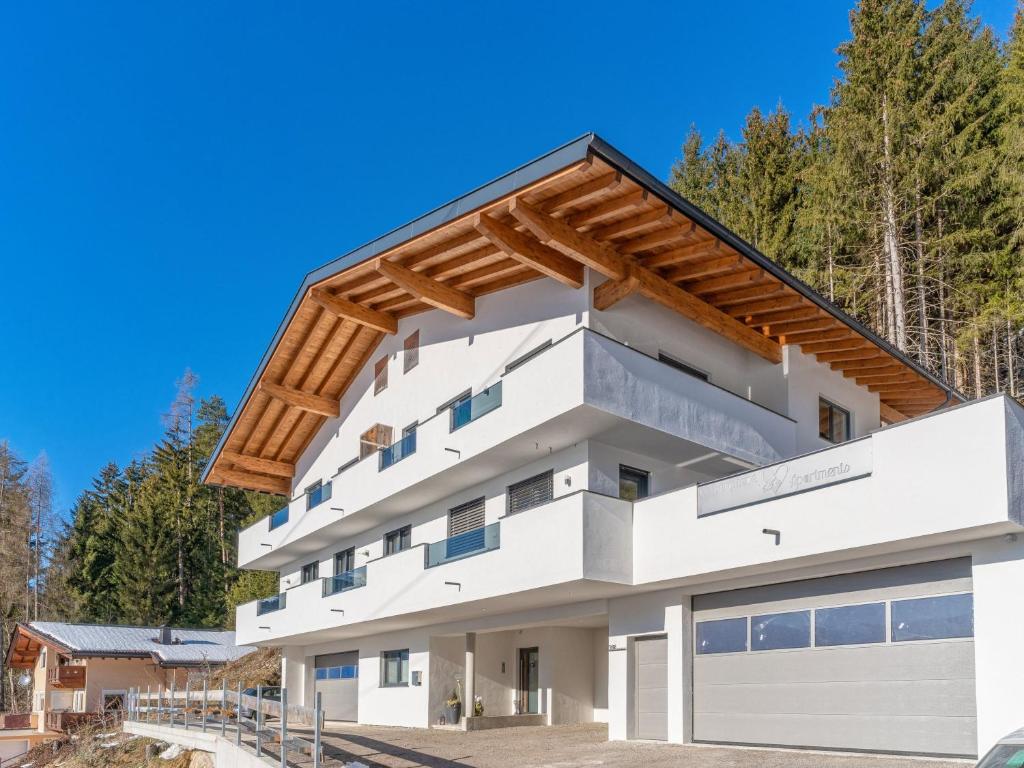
[66,676]
[64,722]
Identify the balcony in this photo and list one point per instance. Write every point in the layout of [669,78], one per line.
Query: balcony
[885,491]
[343,582]
[66,722]
[66,676]
[580,544]
[395,452]
[468,411]
[583,387]
[279,518]
[271,604]
[474,542]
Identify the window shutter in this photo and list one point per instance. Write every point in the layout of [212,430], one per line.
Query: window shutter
[531,492]
[466,517]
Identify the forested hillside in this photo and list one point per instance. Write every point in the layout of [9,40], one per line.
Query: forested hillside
[901,199]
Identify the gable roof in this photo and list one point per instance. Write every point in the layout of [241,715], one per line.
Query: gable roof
[188,647]
[582,203]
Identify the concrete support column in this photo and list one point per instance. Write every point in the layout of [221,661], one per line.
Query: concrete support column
[293,673]
[998,574]
[470,674]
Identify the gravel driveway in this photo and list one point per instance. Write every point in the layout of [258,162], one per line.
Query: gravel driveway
[568,747]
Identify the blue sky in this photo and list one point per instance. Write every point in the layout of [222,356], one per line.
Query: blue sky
[170,171]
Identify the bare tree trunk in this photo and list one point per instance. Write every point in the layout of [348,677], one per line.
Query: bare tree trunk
[977,366]
[943,320]
[890,227]
[223,538]
[995,357]
[1011,359]
[922,298]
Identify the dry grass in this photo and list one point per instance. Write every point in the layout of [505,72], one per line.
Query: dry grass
[101,745]
[262,667]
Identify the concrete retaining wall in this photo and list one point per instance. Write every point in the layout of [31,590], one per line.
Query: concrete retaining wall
[226,754]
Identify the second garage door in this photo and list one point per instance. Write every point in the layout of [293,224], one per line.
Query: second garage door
[337,682]
[881,660]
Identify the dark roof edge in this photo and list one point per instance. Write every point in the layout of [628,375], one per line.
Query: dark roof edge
[548,163]
[644,178]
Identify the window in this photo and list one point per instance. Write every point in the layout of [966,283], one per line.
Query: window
[721,636]
[773,631]
[833,422]
[317,494]
[411,348]
[850,625]
[398,540]
[679,365]
[345,561]
[528,356]
[1004,756]
[933,618]
[466,517]
[372,440]
[394,668]
[310,572]
[531,492]
[380,375]
[633,483]
[345,672]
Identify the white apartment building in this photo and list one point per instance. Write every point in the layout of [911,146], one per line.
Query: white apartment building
[570,444]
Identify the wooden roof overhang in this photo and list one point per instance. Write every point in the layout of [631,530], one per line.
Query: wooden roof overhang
[25,646]
[582,205]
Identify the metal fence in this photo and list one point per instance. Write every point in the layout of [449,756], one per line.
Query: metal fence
[232,714]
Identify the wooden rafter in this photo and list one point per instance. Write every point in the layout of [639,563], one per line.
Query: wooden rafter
[259,464]
[612,264]
[429,291]
[611,292]
[531,252]
[698,250]
[305,401]
[276,485]
[766,305]
[357,313]
[691,270]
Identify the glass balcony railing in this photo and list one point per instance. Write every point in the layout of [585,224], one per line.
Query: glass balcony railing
[345,581]
[395,452]
[279,518]
[472,409]
[466,544]
[271,604]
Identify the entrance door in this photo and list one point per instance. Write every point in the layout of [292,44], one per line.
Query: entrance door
[529,690]
[651,688]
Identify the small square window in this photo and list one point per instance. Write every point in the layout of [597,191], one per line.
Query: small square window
[833,422]
[394,668]
[398,540]
[380,375]
[634,483]
[412,351]
[317,494]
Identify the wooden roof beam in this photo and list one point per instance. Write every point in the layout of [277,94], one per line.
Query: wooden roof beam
[893,377]
[861,352]
[598,256]
[611,292]
[607,208]
[781,316]
[577,194]
[890,414]
[878,364]
[305,401]
[731,297]
[726,282]
[695,269]
[838,345]
[633,223]
[431,292]
[833,335]
[766,305]
[823,323]
[526,250]
[660,237]
[684,253]
[357,313]
[236,479]
[258,464]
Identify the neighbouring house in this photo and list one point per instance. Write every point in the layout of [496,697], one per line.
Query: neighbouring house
[80,670]
[570,445]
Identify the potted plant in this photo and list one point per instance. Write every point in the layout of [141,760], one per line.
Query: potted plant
[478,706]
[453,706]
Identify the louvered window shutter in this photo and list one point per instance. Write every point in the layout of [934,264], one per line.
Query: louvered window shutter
[531,492]
[466,517]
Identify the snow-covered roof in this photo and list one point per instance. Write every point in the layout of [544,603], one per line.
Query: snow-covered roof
[188,647]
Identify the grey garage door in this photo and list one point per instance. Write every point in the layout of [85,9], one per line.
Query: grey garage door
[881,660]
[337,682]
[651,696]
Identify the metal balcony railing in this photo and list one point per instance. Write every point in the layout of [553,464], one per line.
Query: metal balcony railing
[472,409]
[474,542]
[395,452]
[271,604]
[343,582]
